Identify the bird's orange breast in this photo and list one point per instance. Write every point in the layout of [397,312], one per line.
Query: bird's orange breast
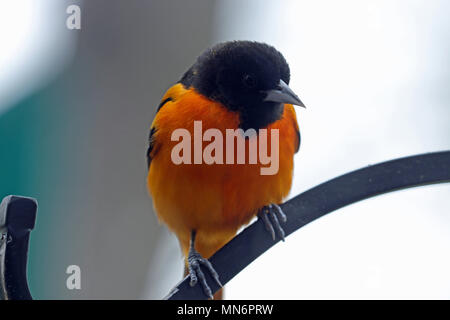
[214,199]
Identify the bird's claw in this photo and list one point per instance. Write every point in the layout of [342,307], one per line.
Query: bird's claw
[271,216]
[196,273]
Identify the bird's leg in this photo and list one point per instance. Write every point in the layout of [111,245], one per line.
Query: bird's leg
[271,216]
[195,272]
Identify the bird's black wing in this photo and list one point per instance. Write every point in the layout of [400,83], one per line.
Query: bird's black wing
[151,145]
[151,137]
[299,140]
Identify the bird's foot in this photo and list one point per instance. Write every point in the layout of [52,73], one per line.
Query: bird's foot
[195,272]
[271,215]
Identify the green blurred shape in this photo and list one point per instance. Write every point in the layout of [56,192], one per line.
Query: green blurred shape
[31,164]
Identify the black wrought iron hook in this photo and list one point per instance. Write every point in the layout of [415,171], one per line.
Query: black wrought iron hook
[18,216]
[17,219]
[349,188]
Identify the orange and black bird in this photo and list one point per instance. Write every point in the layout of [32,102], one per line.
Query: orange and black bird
[232,85]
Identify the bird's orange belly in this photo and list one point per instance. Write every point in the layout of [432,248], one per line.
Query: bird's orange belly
[216,200]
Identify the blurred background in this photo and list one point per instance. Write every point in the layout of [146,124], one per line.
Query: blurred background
[76,106]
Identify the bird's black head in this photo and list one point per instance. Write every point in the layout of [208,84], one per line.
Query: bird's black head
[247,77]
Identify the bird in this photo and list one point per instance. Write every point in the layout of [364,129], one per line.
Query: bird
[238,85]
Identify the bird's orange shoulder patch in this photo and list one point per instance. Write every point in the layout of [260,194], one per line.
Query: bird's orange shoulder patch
[172,94]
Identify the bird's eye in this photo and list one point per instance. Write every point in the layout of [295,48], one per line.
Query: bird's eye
[249,81]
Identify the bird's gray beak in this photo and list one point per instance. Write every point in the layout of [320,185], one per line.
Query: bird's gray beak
[283,94]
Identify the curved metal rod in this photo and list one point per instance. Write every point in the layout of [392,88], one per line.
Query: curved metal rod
[17,219]
[349,188]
